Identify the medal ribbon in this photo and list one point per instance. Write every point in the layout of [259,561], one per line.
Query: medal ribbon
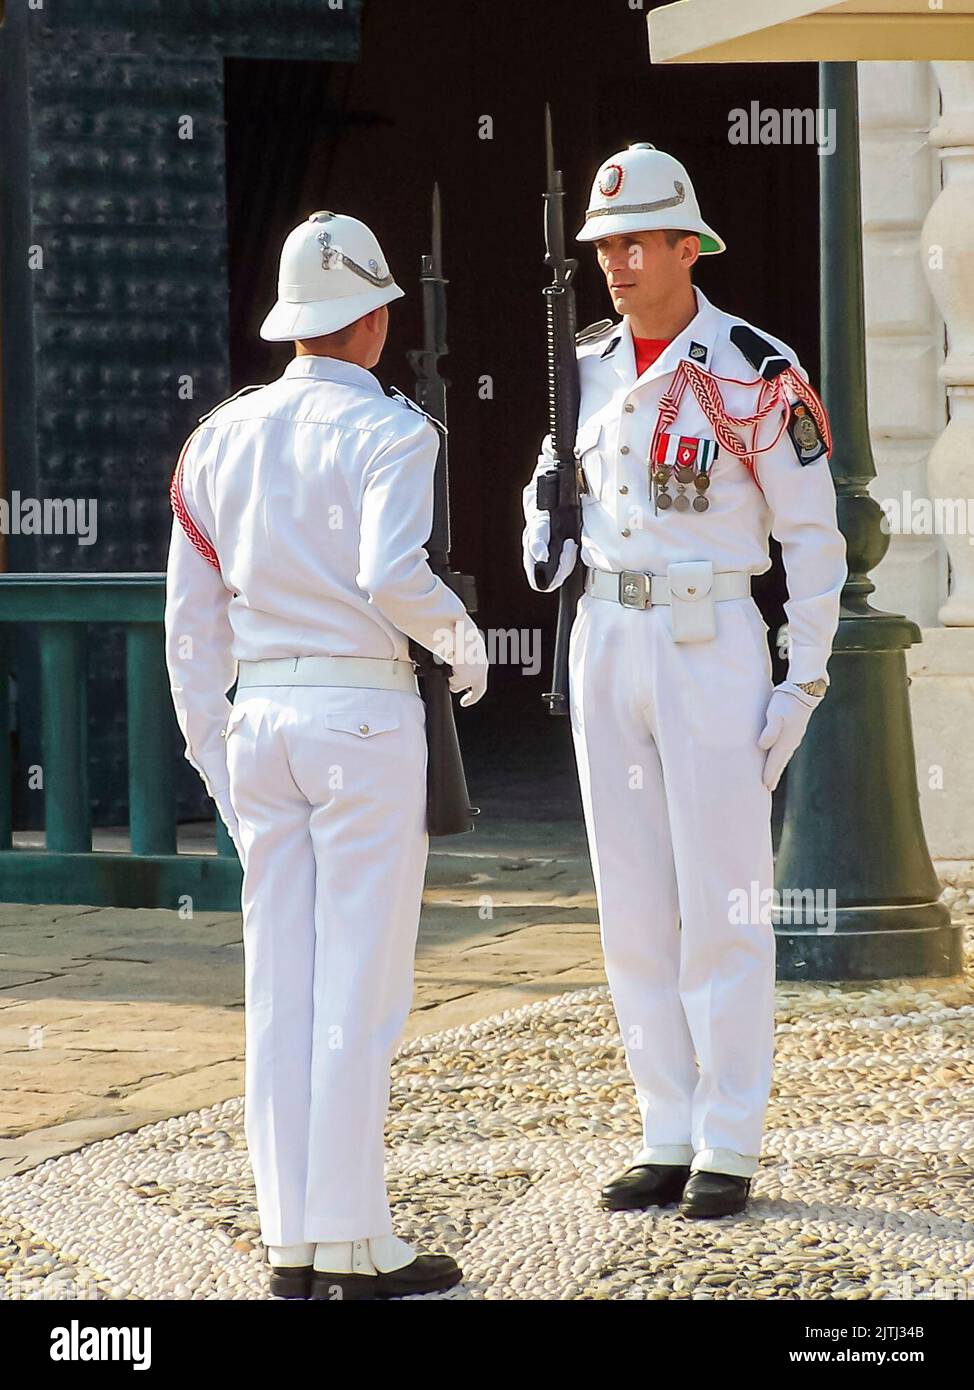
[670,447]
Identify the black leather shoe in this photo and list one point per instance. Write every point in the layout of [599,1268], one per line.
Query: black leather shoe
[646,1185]
[714,1194]
[291,1281]
[425,1274]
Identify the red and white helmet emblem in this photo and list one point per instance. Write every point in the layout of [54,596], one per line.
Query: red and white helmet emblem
[611,179]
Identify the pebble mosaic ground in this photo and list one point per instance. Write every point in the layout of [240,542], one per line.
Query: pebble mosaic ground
[500,1134]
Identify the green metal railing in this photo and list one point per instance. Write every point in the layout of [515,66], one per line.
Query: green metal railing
[69,870]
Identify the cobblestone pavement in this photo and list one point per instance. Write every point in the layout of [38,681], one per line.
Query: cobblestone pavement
[112,1018]
[500,1133]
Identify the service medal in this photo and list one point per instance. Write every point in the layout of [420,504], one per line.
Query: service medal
[688,460]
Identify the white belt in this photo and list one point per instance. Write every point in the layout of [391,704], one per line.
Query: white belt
[364,672]
[633,589]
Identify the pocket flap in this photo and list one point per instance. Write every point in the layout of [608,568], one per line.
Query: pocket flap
[589,436]
[362,725]
[232,720]
[690,580]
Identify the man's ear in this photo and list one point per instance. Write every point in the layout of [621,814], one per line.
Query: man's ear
[690,251]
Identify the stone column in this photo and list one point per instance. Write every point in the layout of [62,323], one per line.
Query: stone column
[904,333]
[942,668]
[948,258]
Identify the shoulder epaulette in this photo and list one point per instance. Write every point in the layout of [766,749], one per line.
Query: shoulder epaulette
[242,392]
[594,330]
[405,400]
[767,360]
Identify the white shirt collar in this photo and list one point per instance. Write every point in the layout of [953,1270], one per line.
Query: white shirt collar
[700,331]
[333,369]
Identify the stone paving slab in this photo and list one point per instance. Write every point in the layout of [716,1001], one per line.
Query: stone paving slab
[113,1018]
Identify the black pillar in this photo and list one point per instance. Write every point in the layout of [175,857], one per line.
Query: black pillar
[852,820]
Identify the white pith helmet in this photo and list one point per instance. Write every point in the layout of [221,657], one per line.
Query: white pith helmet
[642,189]
[332,272]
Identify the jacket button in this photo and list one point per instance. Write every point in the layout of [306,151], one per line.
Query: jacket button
[223,733]
[363,728]
[627,533]
[624,449]
[624,490]
[629,407]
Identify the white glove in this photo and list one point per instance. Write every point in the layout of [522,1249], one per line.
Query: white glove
[470,667]
[229,818]
[536,537]
[789,711]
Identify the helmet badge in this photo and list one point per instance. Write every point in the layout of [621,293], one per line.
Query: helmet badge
[611,180]
[328,253]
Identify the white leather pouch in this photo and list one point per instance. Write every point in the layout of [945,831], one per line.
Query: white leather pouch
[692,613]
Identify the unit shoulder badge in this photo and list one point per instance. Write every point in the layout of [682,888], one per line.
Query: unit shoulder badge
[805,434]
[410,404]
[244,390]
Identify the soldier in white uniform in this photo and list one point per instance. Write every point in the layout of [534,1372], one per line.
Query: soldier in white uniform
[692,448]
[297,563]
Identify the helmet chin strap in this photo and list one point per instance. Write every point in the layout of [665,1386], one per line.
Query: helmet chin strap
[333,255]
[626,208]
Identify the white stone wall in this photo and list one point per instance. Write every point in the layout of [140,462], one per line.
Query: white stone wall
[901,177]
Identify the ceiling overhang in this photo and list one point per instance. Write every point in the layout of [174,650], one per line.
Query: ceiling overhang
[790,31]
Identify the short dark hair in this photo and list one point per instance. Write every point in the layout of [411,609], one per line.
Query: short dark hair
[340,338]
[673,236]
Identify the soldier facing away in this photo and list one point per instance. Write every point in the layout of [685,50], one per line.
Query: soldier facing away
[297,562]
[697,438]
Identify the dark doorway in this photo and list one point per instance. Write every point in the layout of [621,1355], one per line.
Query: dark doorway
[370,139]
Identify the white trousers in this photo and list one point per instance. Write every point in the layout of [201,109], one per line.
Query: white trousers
[329,787]
[679,830]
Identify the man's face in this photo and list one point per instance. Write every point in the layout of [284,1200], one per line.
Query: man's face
[641,269]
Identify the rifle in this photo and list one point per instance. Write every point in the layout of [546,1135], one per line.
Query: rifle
[448,809]
[558,487]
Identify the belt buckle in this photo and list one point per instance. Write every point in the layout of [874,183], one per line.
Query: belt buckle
[634,589]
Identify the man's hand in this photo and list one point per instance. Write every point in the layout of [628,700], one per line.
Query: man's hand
[536,549]
[789,711]
[470,673]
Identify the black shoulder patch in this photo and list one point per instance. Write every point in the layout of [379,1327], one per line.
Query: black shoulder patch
[242,392]
[763,356]
[410,404]
[594,330]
